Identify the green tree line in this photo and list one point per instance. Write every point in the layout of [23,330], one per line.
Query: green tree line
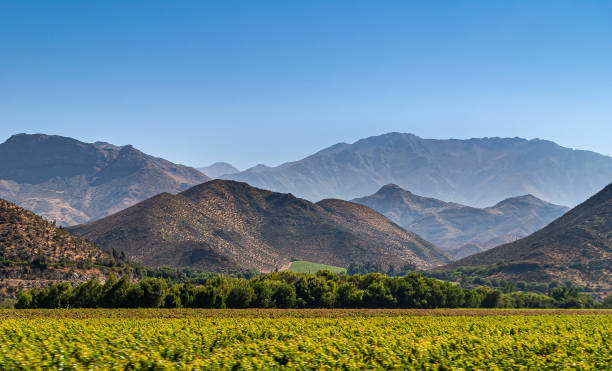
[291,290]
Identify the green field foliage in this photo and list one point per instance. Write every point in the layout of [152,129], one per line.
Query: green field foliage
[303,266]
[308,339]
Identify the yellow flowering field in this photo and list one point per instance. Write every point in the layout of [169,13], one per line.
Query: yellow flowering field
[350,340]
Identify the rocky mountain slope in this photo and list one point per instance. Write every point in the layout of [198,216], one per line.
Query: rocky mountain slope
[73,182]
[577,247]
[217,169]
[221,225]
[460,229]
[28,244]
[474,172]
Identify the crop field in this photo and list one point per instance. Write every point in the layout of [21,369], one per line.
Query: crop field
[303,266]
[305,339]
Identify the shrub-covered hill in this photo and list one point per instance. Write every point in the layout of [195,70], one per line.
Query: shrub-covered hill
[576,247]
[25,236]
[221,225]
[35,252]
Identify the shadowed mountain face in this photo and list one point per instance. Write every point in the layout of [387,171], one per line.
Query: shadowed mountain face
[73,182]
[217,169]
[463,230]
[577,247]
[475,172]
[25,237]
[221,225]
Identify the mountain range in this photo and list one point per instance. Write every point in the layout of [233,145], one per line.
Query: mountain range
[72,182]
[463,230]
[164,214]
[577,247]
[223,225]
[476,172]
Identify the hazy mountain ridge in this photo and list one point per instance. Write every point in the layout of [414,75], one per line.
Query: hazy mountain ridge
[459,228]
[476,172]
[221,225]
[73,182]
[576,247]
[217,169]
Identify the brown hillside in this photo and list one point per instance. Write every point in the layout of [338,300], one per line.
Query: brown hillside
[577,247]
[363,221]
[224,225]
[24,237]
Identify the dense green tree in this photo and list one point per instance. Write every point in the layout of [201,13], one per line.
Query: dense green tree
[263,291]
[114,294]
[24,300]
[55,296]
[187,295]
[153,292]
[284,295]
[209,297]
[471,299]
[173,298]
[454,295]
[349,296]
[87,295]
[607,302]
[378,295]
[240,295]
[490,298]
[315,291]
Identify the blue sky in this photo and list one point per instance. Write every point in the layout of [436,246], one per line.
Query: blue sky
[271,81]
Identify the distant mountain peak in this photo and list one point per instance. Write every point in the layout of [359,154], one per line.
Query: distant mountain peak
[218,169]
[399,194]
[525,199]
[459,228]
[259,167]
[392,187]
[477,172]
[22,136]
[72,182]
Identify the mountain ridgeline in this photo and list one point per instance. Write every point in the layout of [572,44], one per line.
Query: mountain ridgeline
[460,229]
[474,172]
[577,247]
[218,169]
[164,214]
[73,182]
[221,225]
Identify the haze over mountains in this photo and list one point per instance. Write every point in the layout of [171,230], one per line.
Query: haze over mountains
[217,169]
[475,172]
[461,229]
[73,182]
[577,247]
[223,225]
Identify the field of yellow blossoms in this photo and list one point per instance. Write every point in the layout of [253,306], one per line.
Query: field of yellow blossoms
[308,339]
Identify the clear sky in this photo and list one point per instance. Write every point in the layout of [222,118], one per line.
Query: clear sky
[271,81]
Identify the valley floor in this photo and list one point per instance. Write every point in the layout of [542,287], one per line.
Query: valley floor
[305,339]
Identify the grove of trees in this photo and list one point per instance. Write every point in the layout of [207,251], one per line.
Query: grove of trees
[292,290]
